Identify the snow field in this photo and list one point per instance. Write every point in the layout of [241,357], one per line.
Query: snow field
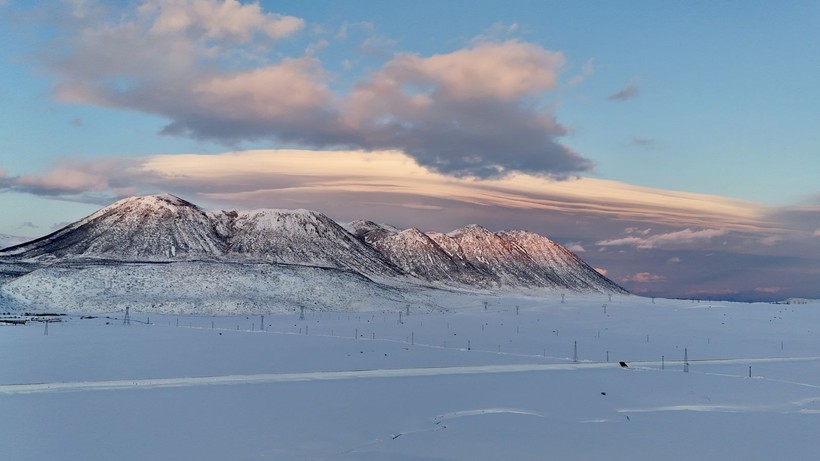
[593,410]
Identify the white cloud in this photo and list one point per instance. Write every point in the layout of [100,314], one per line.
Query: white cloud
[643,277]
[575,247]
[667,240]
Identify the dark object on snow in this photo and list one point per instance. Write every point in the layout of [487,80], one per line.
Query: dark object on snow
[603,393]
[623,365]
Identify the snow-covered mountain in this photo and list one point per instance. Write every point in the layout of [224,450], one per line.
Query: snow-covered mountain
[420,256]
[302,237]
[154,227]
[133,238]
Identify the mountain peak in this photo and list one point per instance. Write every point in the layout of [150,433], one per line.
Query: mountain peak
[472,229]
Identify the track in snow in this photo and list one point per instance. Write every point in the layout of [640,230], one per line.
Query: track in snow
[267,378]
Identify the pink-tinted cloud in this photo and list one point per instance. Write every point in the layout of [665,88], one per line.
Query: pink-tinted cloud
[220,20]
[602,271]
[212,69]
[768,290]
[253,178]
[465,113]
[501,71]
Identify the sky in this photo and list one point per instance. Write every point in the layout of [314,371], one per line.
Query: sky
[672,145]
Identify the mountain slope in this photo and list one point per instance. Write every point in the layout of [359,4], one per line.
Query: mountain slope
[201,287]
[501,261]
[560,266]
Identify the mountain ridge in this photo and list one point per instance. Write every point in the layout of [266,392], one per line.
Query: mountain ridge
[166,228]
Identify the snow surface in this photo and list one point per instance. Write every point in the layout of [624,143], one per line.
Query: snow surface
[379,386]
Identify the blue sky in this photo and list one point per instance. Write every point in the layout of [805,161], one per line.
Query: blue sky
[696,122]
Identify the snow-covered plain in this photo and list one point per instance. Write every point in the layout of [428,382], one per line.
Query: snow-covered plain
[466,384]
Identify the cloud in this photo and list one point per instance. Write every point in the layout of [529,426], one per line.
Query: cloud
[768,290]
[466,113]
[673,260]
[575,247]
[636,230]
[645,143]
[587,70]
[376,46]
[257,178]
[643,277]
[816,233]
[666,240]
[477,111]
[76,121]
[228,20]
[96,181]
[28,225]
[628,92]
[499,31]
[601,271]
[345,30]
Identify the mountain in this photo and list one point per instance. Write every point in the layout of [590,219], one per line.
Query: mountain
[420,256]
[305,238]
[155,227]
[141,243]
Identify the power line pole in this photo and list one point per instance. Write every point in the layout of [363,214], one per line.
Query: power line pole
[127,319]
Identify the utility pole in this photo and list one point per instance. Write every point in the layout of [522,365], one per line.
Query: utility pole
[685,360]
[127,319]
[301,312]
[575,352]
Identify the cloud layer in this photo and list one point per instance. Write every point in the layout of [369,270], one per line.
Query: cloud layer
[700,244]
[216,71]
